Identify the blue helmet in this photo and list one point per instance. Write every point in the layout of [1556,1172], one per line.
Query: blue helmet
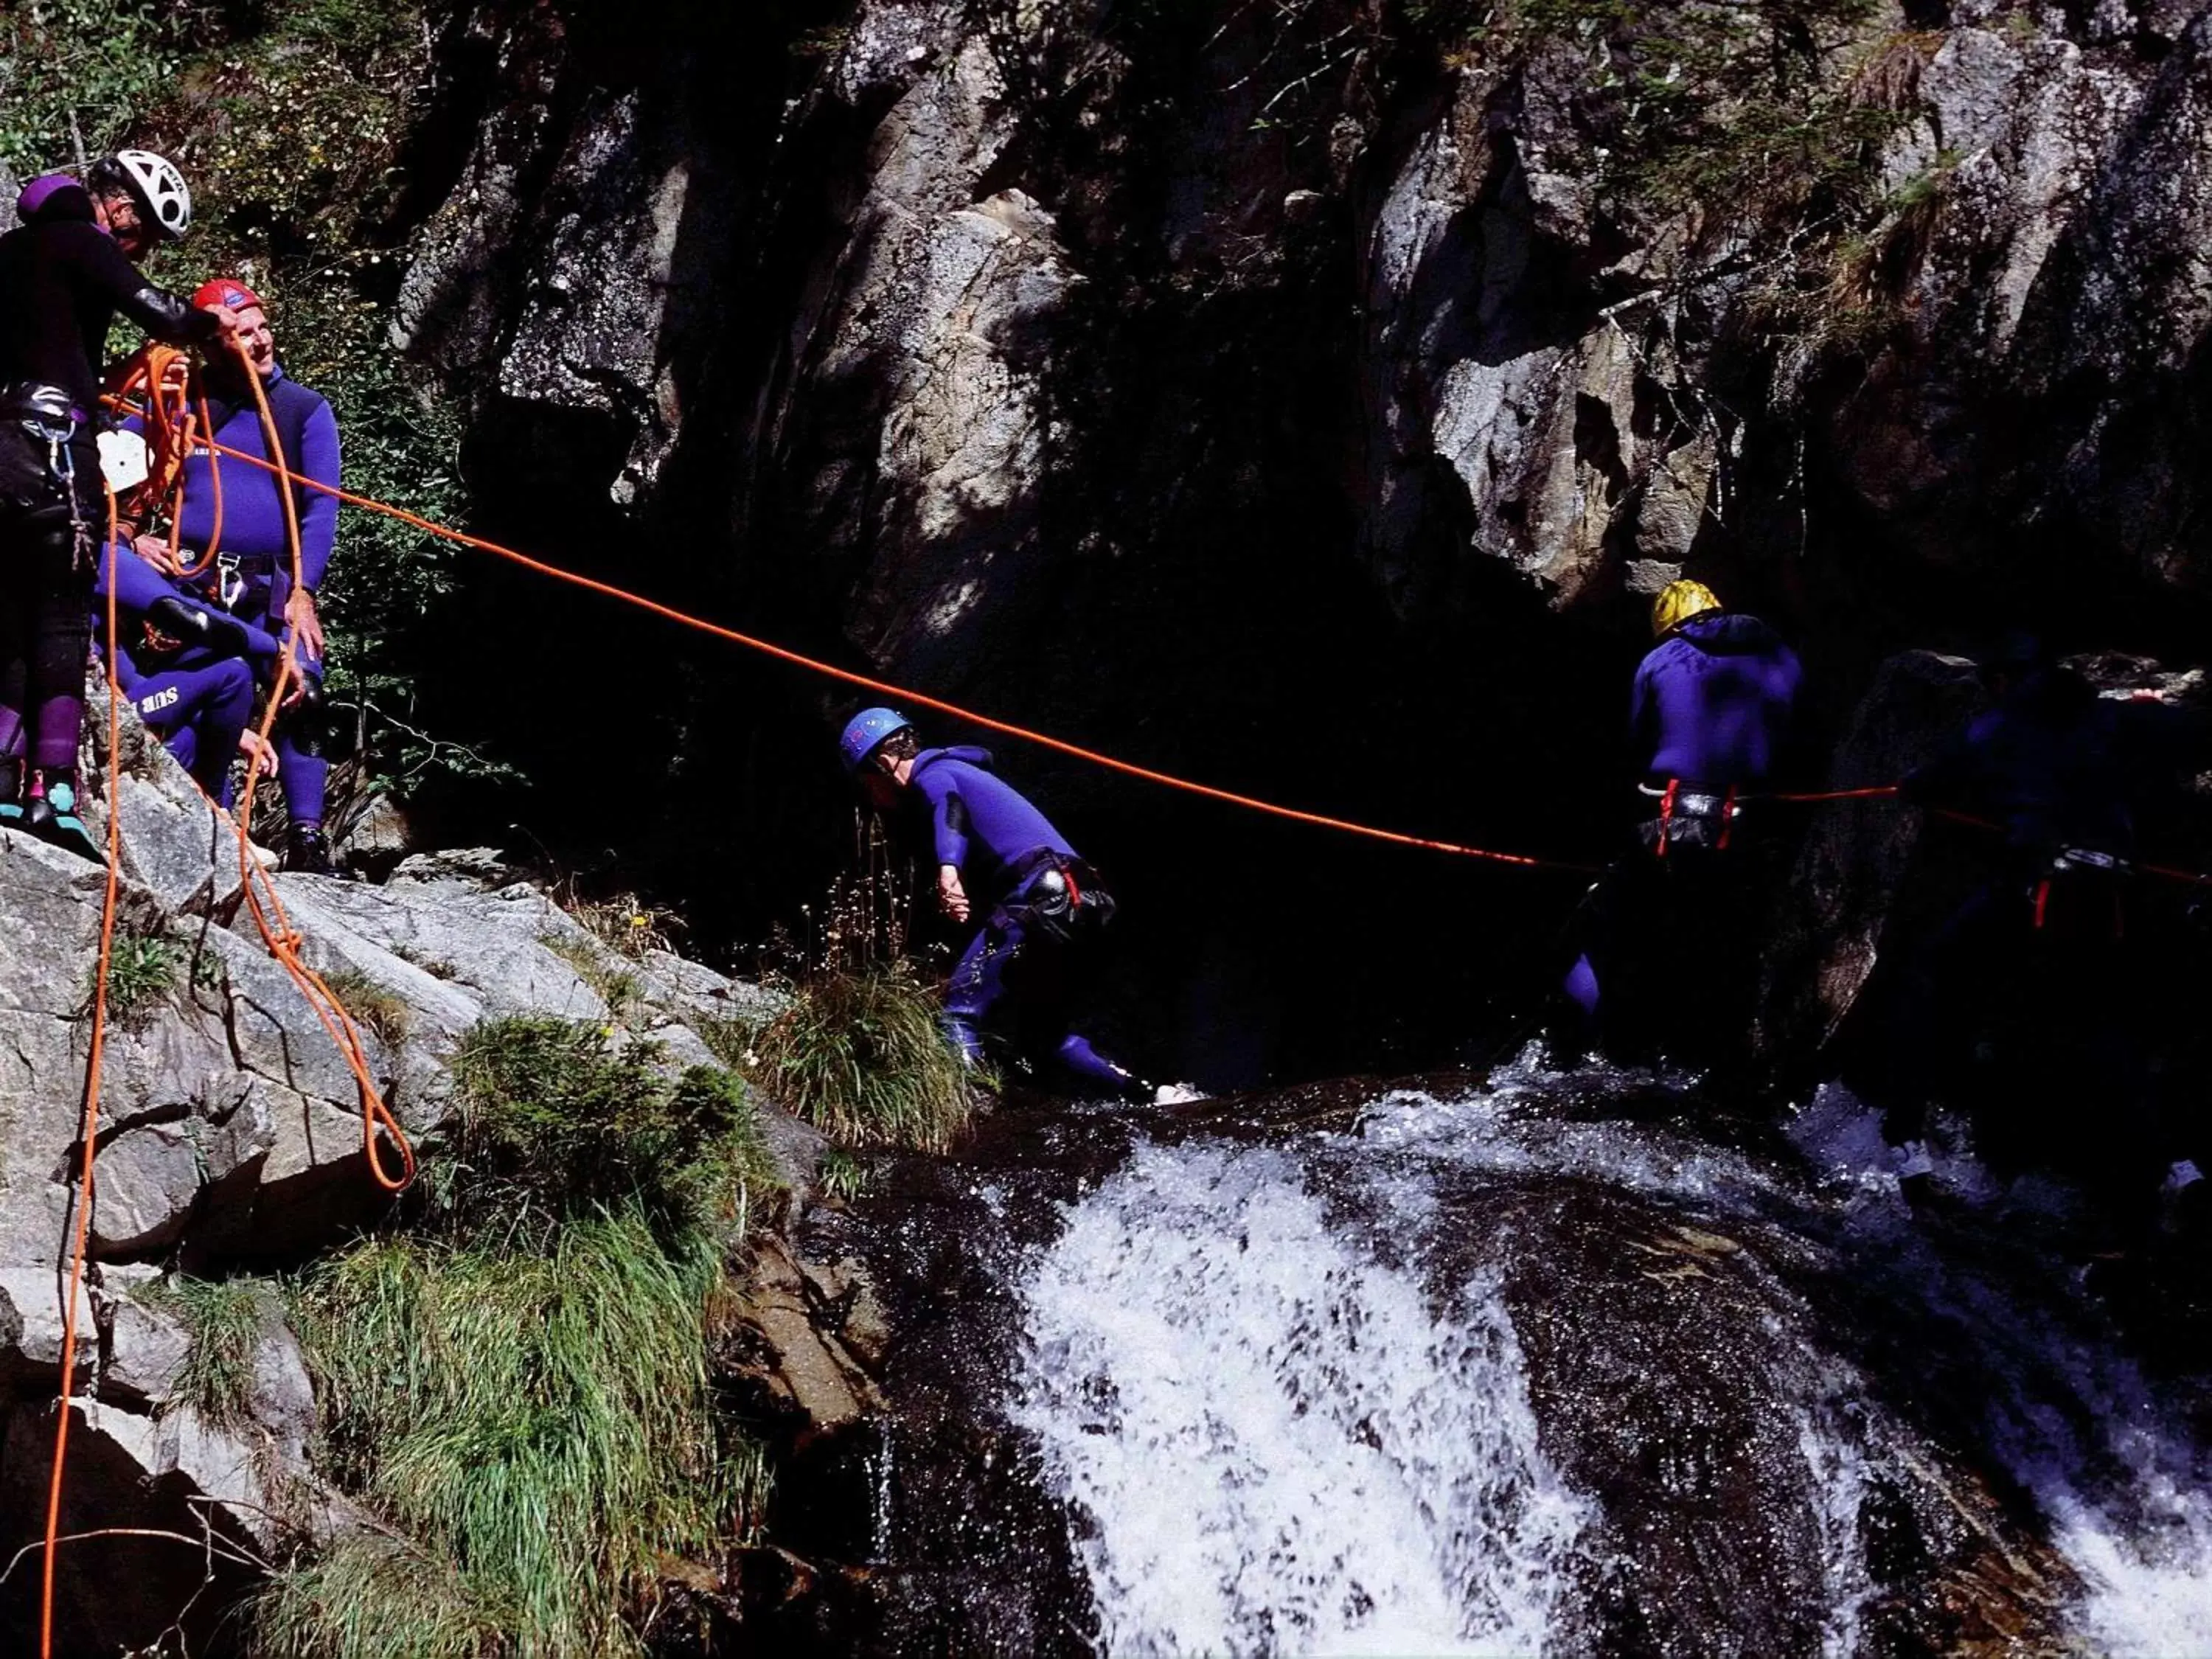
[865,732]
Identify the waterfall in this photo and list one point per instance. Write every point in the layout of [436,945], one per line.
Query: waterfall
[1281,1446]
[1280,1389]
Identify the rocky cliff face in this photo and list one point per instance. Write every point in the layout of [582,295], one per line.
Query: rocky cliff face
[1235,390]
[230,1136]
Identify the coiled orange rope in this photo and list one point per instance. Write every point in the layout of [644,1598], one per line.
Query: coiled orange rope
[262,897]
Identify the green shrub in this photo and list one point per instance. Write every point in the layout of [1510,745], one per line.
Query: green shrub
[556,1120]
[539,1418]
[75,74]
[860,1055]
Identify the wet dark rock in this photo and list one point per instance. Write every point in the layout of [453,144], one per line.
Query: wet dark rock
[1740,1375]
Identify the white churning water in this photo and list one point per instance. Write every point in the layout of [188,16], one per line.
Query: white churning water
[2126,1491]
[1276,1440]
[1279,1445]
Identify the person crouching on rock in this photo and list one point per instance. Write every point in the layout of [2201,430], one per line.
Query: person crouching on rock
[1035,905]
[1670,957]
[189,669]
[250,575]
[65,272]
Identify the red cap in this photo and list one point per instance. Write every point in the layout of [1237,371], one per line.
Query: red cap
[227,291]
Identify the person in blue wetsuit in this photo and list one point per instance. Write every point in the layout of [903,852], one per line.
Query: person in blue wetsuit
[188,667]
[66,272]
[250,574]
[1667,963]
[1002,866]
[1714,700]
[2031,994]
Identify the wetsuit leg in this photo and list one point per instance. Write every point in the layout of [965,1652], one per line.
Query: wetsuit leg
[15,659]
[977,986]
[303,777]
[1085,1062]
[53,589]
[200,713]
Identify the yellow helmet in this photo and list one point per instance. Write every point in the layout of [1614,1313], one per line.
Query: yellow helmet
[1677,602]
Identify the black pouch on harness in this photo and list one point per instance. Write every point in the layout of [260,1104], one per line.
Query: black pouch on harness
[31,496]
[1063,900]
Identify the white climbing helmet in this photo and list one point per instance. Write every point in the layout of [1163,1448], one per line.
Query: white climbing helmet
[160,188]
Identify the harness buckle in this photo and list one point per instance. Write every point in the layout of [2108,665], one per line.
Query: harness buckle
[230,580]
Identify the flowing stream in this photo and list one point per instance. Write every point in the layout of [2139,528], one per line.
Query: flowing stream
[1528,1368]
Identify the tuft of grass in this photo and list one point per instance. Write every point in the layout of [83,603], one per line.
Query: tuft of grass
[556,1121]
[843,1177]
[226,1321]
[144,970]
[373,1596]
[618,986]
[540,1418]
[731,1040]
[860,1055]
[384,1014]
[625,923]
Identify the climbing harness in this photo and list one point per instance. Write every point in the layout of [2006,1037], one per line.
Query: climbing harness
[1057,896]
[37,460]
[1689,817]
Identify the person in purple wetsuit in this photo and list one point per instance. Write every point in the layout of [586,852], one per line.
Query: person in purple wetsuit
[251,574]
[188,667]
[65,273]
[1003,866]
[1665,966]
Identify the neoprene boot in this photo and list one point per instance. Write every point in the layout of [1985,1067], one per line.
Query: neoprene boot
[308,850]
[52,818]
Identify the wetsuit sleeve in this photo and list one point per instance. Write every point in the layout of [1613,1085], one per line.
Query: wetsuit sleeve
[258,643]
[949,817]
[157,311]
[319,512]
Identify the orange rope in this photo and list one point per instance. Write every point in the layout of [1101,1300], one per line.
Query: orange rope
[904,694]
[170,419]
[283,940]
[1880,791]
[89,1125]
[215,489]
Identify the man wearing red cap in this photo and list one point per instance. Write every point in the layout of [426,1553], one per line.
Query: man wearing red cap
[250,574]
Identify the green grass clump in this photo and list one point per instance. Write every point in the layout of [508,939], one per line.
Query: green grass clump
[541,1420]
[519,1389]
[384,1014]
[556,1120]
[372,1596]
[860,1054]
[614,984]
[228,1321]
[144,970]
